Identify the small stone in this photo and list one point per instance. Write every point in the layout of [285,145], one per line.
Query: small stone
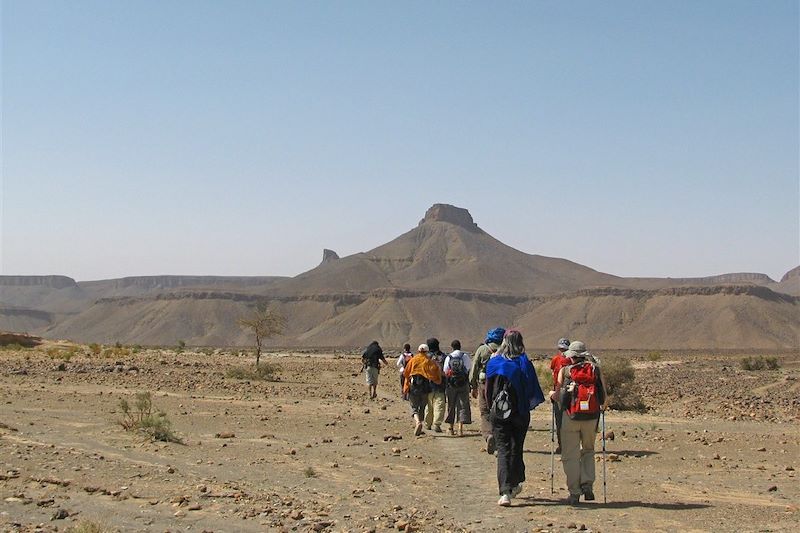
[225,435]
[61,514]
[773,488]
[376,479]
[762,449]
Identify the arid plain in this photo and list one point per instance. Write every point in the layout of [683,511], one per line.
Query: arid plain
[306,450]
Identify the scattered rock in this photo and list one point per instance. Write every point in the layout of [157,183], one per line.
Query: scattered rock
[61,514]
[225,435]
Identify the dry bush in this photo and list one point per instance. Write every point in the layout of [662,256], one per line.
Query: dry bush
[142,419]
[86,527]
[95,348]
[545,376]
[759,363]
[262,372]
[620,380]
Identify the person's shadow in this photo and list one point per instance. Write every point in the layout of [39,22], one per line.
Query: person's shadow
[530,501]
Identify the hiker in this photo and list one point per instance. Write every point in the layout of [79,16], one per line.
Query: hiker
[434,416]
[402,359]
[477,381]
[370,360]
[512,391]
[456,371]
[558,360]
[581,394]
[420,372]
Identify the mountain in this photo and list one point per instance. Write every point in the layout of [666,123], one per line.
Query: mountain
[445,277]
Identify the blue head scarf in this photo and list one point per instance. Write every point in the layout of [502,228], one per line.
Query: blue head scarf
[495,335]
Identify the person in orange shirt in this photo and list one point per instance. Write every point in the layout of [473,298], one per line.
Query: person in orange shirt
[419,373]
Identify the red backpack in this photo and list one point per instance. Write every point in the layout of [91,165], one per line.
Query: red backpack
[582,392]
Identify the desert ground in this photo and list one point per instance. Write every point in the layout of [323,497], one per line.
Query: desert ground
[717,449]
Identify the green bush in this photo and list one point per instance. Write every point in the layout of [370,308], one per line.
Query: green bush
[142,419]
[620,380]
[95,348]
[262,372]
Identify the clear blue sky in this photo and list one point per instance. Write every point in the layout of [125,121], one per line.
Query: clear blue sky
[639,138]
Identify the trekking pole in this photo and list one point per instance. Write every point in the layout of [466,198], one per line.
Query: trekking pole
[552,443]
[603,419]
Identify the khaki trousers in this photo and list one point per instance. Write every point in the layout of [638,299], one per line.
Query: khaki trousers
[577,452]
[434,415]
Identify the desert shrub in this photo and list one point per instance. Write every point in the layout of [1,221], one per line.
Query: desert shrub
[15,346]
[181,346]
[262,372]
[620,379]
[65,354]
[654,356]
[141,418]
[759,363]
[309,472]
[95,348]
[545,376]
[86,527]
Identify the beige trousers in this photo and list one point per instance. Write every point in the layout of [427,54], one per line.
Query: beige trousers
[577,453]
[434,415]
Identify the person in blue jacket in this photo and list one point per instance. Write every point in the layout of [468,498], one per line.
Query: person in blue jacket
[511,376]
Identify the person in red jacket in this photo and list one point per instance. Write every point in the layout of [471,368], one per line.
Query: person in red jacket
[559,360]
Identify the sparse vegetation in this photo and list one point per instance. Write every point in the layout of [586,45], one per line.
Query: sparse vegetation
[86,527]
[15,346]
[759,363]
[654,356]
[142,419]
[95,348]
[63,353]
[545,376]
[263,323]
[262,372]
[310,472]
[620,381]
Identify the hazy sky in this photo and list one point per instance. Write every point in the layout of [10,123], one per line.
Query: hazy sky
[640,138]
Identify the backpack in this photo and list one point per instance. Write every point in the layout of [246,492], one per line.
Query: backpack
[419,384]
[504,404]
[458,371]
[581,392]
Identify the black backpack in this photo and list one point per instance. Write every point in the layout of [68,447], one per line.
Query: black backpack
[419,384]
[504,404]
[458,377]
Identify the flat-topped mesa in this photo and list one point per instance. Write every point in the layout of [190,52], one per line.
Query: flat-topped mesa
[452,214]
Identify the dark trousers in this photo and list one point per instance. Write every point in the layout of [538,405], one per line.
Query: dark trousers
[509,438]
[458,407]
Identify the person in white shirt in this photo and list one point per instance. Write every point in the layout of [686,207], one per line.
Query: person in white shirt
[456,371]
[404,358]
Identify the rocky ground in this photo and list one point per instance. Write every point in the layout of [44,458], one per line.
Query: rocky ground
[717,450]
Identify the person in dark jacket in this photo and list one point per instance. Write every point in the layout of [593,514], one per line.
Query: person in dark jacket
[371,361]
[434,415]
[511,373]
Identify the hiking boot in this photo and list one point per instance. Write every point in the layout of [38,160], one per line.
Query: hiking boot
[451,431]
[573,499]
[516,490]
[588,495]
[437,429]
[418,429]
[490,445]
[427,427]
[504,501]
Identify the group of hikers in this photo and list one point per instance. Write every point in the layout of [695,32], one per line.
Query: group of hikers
[504,381]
